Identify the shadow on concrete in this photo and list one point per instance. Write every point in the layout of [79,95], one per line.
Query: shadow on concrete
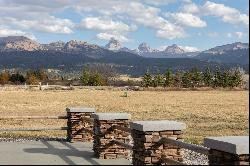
[64,153]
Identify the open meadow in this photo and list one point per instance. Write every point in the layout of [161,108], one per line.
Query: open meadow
[206,113]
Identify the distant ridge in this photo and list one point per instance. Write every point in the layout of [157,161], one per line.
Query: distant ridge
[230,53]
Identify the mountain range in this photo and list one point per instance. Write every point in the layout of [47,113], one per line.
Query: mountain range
[22,52]
[144,50]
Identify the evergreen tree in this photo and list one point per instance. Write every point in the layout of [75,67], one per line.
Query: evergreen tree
[196,77]
[96,80]
[178,79]
[208,77]
[147,79]
[17,78]
[169,78]
[85,77]
[187,80]
[236,78]
[158,80]
[225,79]
[218,81]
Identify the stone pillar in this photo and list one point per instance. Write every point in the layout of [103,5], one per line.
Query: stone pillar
[76,125]
[229,150]
[103,135]
[146,134]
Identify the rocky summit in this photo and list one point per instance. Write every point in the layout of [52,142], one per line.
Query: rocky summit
[18,43]
[113,45]
[174,49]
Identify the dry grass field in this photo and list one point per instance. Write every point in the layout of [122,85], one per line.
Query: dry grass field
[206,113]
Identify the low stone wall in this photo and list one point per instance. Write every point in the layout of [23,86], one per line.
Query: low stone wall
[217,157]
[104,134]
[113,135]
[146,135]
[230,150]
[76,125]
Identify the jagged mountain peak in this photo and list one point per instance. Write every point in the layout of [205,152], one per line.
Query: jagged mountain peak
[174,49]
[76,42]
[113,45]
[144,47]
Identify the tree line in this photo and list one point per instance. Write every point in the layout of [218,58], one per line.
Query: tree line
[194,78]
[32,77]
[101,76]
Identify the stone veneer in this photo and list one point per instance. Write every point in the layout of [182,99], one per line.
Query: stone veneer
[76,125]
[103,135]
[230,150]
[146,134]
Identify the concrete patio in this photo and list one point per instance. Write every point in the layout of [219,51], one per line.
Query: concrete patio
[51,153]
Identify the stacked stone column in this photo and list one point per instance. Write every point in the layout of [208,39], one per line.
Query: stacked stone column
[146,134]
[229,150]
[76,125]
[103,135]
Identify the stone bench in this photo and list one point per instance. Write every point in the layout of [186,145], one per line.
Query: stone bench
[230,150]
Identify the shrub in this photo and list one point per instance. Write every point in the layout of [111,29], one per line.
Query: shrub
[17,78]
[4,78]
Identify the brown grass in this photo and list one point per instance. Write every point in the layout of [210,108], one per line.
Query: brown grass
[206,113]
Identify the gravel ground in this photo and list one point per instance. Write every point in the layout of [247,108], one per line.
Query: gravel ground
[31,139]
[189,157]
[193,158]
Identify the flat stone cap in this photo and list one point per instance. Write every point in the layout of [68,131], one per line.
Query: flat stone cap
[231,144]
[80,109]
[160,125]
[111,116]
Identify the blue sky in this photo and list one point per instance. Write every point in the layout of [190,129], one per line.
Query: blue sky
[195,25]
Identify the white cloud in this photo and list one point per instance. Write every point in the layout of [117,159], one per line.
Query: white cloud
[51,24]
[171,32]
[35,15]
[113,15]
[105,25]
[35,6]
[239,34]
[115,35]
[4,32]
[188,19]
[190,8]
[228,14]
[159,2]
[108,28]
[137,12]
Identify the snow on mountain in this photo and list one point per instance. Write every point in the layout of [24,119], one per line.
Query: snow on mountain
[228,47]
[113,45]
